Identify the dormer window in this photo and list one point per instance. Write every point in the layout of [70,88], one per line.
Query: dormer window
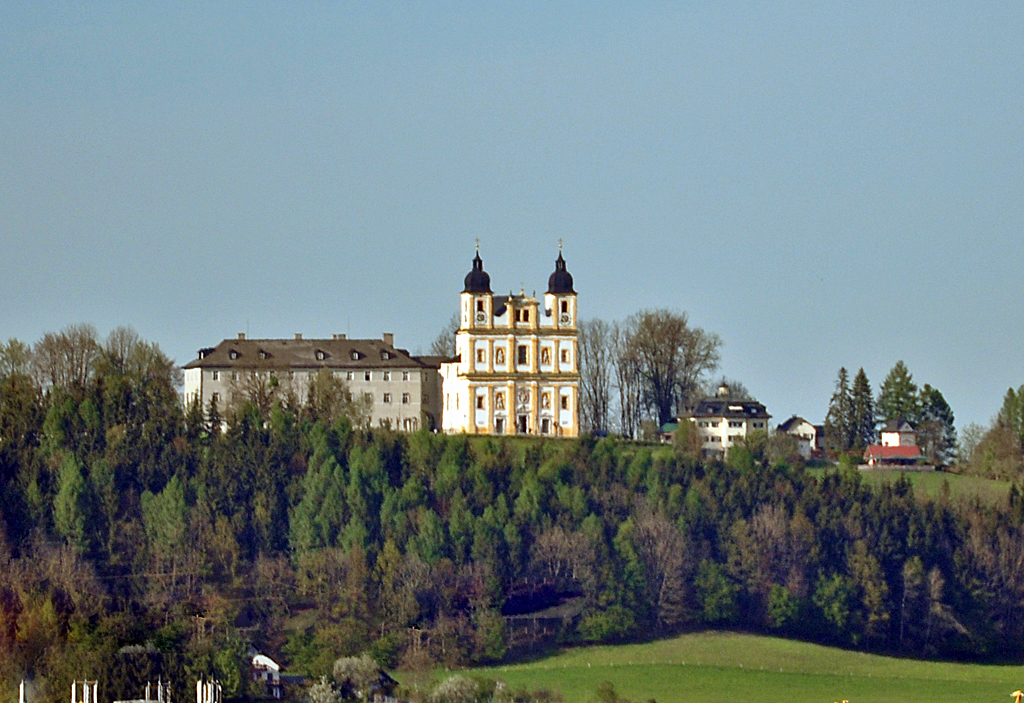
[321,355]
[355,355]
[234,354]
[264,354]
[385,354]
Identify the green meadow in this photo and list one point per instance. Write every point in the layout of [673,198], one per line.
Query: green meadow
[719,667]
[932,484]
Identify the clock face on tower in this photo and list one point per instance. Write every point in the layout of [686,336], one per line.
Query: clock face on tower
[565,318]
[481,316]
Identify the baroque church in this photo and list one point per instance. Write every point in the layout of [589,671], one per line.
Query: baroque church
[516,369]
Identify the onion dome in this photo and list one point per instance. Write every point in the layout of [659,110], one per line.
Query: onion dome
[560,282]
[477,280]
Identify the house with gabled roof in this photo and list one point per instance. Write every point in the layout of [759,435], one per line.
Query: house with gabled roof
[806,434]
[898,445]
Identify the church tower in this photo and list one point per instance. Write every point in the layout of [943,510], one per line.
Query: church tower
[516,369]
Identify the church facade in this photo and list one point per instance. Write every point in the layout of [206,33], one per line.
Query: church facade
[516,369]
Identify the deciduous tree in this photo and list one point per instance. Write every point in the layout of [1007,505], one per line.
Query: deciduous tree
[444,343]
[672,358]
[596,361]
[66,359]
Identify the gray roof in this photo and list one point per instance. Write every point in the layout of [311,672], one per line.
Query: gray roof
[898,425]
[336,353]
[716,407]
[791,423]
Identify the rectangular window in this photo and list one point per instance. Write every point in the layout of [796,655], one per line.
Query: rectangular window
[387,375]
[405,375]
[350,376]
[368,397]
[734,423]
[215,398]
[565,402]
[405,399]
[387,397]
[522,355]
[481,356]
[565,306]
[565,356]
[479,306]
[367,376]
[216,375]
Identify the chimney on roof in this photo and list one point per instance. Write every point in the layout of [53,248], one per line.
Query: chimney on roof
[241,335]
[298,336]
[389,339]
[338,336]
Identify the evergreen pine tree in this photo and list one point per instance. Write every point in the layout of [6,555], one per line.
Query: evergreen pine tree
[936,432]
[863,411]
[898,397]
[839,422]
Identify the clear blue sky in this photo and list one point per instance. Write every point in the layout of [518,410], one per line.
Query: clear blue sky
[821,184]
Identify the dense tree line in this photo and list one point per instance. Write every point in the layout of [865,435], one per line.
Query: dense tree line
[140,536]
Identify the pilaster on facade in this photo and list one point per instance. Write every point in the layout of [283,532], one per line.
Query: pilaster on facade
[516,363]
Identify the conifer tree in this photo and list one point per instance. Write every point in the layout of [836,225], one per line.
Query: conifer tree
[839,422]
[898,397]
[863,410]
[936,431]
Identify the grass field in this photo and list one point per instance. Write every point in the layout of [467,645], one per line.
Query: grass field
[715,667]
[930,483]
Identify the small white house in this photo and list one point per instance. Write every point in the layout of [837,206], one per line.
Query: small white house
[267,670]
[805,433]
[899,445]
[899,433]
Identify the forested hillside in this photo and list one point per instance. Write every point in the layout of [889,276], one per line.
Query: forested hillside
[137,530]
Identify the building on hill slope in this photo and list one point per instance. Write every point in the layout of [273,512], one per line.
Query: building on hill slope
[395,387]
[516,368]
[722,422]
[807,436]
[898,445]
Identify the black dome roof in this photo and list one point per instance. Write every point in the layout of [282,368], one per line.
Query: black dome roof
[477,280]
[560,281]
